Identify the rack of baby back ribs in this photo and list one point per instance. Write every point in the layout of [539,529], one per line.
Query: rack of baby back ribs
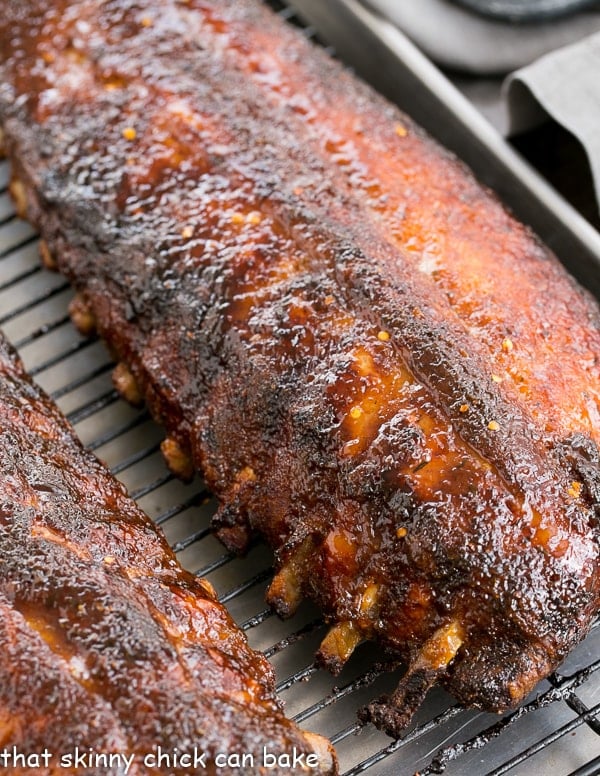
[320,306]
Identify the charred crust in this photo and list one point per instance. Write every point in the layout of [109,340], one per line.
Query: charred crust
[236,538]
[582,456]
[497,674]
[330,662]
[386,717]
[231,528]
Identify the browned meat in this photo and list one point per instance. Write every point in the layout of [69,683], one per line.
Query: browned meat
[107,648]
[372,363]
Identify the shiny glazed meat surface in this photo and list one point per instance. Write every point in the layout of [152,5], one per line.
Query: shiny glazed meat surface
[106,645]
[373,365]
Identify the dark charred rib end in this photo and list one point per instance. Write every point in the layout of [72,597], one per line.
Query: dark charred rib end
[231,524]
[393,714]
[236,538]
[231,528]
[391,720]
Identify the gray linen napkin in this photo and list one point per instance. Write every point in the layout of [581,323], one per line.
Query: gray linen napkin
[565,86]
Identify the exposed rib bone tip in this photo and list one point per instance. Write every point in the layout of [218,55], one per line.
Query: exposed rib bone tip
[324,751]
[83,318]
[441,648]
[393,714]
[388,718]
[285,591]
[48,260]
[177,459]
[126,385]
[337,647]
[19,196]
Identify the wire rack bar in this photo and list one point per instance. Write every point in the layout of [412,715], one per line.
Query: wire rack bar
[71,350]
[257,619]
[18,243]
[41,331]
[20,278]
[261,576]
[338,694]
[118,431]
[544,742]
[50,293]
[198,498]
[82,380]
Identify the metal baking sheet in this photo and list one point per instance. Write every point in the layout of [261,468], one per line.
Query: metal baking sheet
[556,732]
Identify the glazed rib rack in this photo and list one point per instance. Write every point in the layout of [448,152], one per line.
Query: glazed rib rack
[560,725]
[77,373]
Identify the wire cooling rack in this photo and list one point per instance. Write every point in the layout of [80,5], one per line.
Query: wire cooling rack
[556,731]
